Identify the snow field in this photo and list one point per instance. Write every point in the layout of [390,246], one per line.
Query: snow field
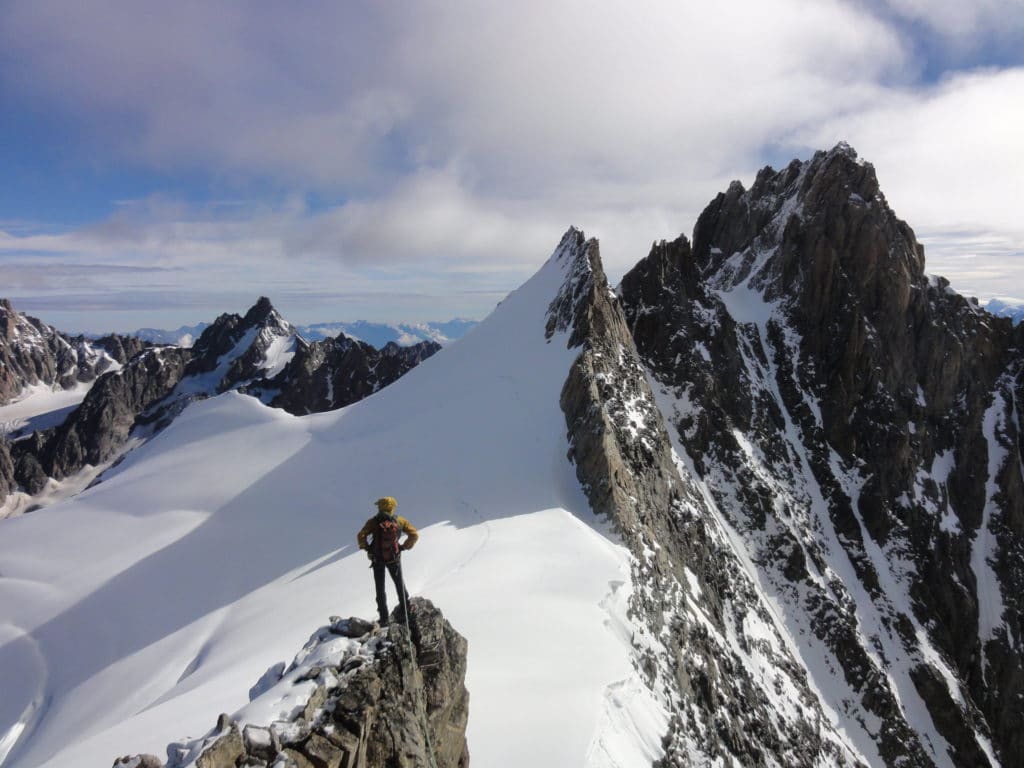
[40,407]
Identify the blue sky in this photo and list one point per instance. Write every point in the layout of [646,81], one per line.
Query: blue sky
[164,162]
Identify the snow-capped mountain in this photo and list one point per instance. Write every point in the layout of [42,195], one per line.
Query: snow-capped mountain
[332,373]
[259,352]
[1000,308]
[182,336]
[209,554]
[381,334]
[760,505]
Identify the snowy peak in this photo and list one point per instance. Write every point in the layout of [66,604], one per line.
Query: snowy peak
[236,349]
[1000,308]
[332,373]
[256,543]
[263,313]
[579,260]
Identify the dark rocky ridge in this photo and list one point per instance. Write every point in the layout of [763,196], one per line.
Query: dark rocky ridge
[333,373]
[688,578]
[96,431]
[843,410]
[33,353]
[398,700]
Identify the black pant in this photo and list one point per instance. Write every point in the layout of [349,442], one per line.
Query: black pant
[382,600]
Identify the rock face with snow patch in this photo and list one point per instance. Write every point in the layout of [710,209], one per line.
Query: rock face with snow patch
[709,649]
[361,698]
[35,354]
[236,349]
[96,431]
[854,425]
[32,352]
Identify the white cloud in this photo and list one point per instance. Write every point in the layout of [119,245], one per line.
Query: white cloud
[463,137]
[521,94]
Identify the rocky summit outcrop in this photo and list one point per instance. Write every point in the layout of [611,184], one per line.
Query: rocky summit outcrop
[853,425]
[360,697]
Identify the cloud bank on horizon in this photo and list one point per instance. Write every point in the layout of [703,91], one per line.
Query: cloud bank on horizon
[167,161]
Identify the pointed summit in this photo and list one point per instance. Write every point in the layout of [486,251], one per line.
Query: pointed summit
[243,348]
[573,308]
[259,311]
[814,235]
[855,425]
[263,313]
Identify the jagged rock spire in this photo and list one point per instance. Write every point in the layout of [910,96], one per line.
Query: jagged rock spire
[853,423]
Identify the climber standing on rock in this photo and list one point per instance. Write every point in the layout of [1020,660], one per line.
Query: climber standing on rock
[380,538]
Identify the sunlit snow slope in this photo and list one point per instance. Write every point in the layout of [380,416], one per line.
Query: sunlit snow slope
[136,612]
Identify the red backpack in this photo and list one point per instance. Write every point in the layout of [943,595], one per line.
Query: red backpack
[385,540]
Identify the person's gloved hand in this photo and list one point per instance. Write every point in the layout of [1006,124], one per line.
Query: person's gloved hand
[403,546]
[369,554]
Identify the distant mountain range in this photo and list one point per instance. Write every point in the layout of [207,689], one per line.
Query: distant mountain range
[1003,309]
[376,334]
